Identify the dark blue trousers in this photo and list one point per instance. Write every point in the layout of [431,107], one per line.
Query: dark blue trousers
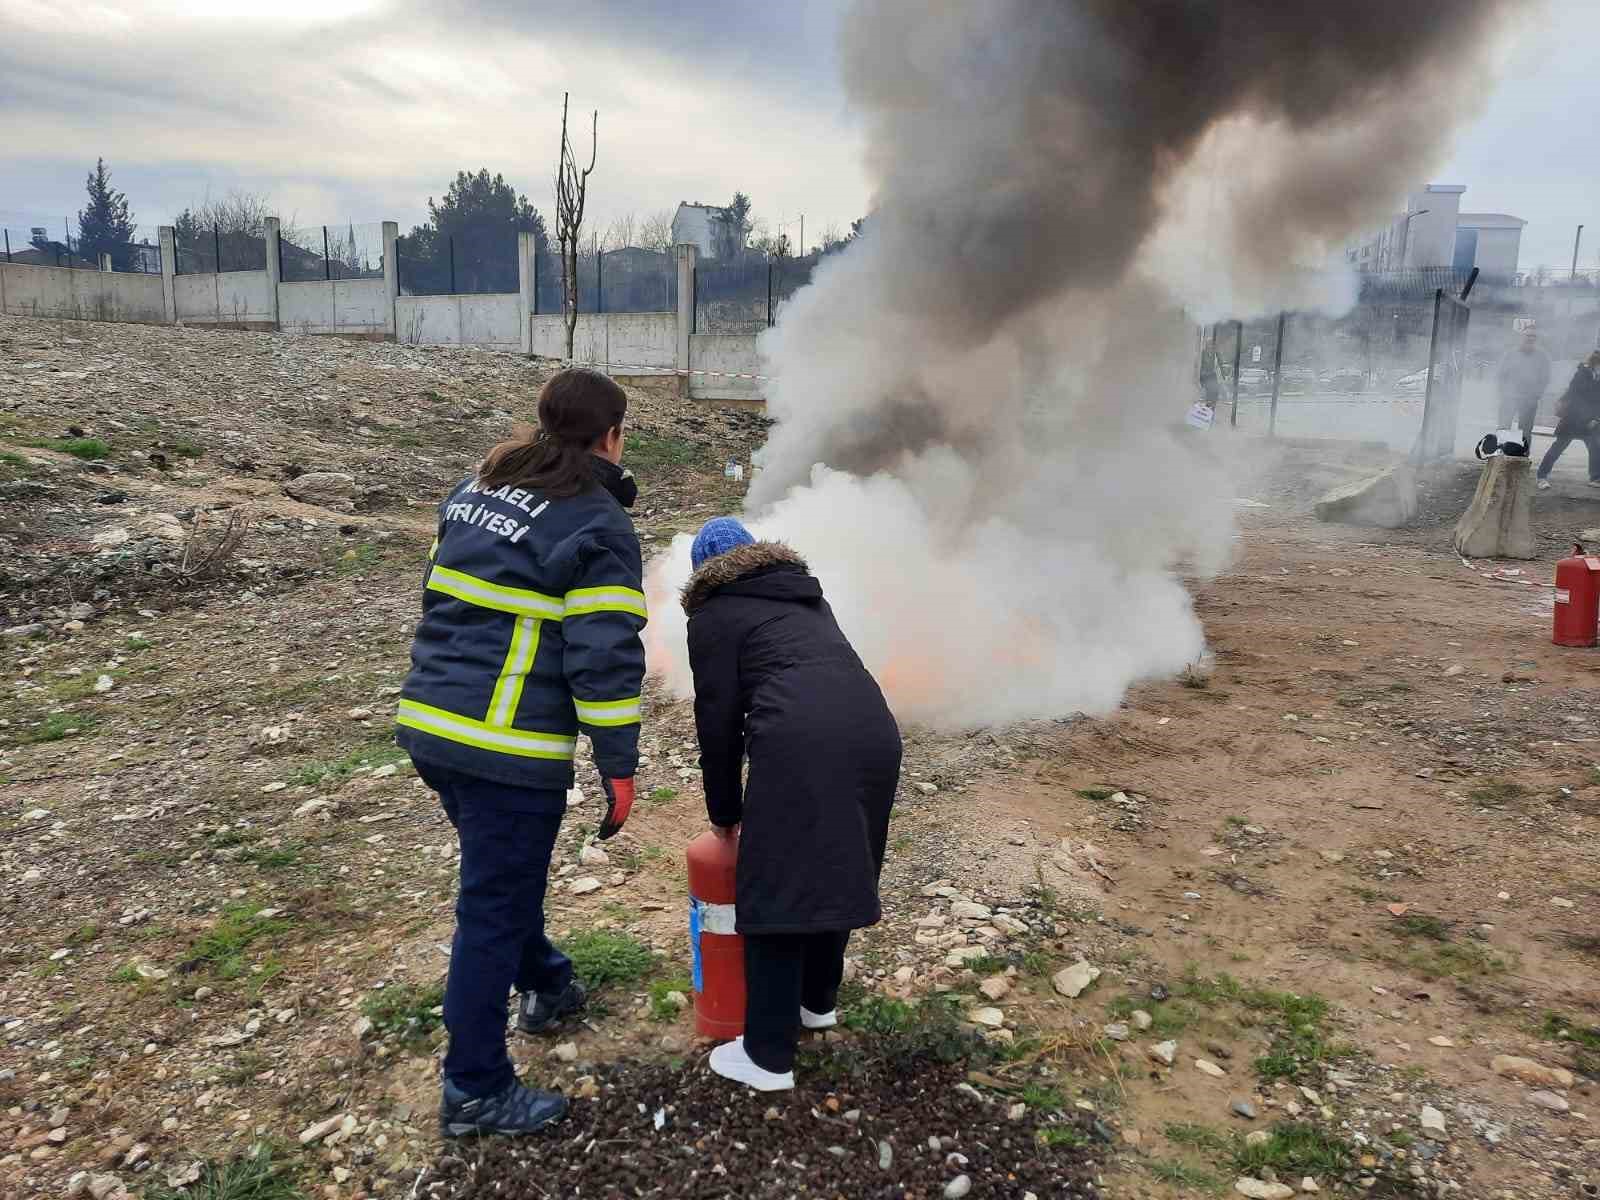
[507,837]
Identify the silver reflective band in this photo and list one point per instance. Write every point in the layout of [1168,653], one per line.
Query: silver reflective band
[716,918]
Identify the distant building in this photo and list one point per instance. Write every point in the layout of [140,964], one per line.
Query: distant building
[696,223]
[1433,232]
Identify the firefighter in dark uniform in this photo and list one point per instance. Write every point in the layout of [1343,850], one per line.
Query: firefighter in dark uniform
[531,614]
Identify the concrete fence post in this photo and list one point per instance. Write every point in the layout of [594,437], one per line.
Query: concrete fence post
[685,253]
[274,264]
[105,261]
[391,272]
[169,264]
[525,281]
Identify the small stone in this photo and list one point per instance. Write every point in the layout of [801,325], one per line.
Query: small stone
[1371,806]
[1117,1031]
[104,683]
[989,1018]
[772,1114]
[1141,1020]
[1243,1108]
[204,993]
[1562,902]
[582,887]
[1452,671]
[853,1115]
[313,805]
[1441,1041]
[362,1027]
[387,771]
[1257,1190]
[101,1186]
[567,1052]
[1016,1112]
[1165,1053]
[593,856]
[1550,1101]
[966,910]
[962,955]
[958,1187]
[359,714]
[315,1133]
[1332,856]
[1206,1067]
[1432,1121]
[341,1174]
[995,987]
[1071,981]
[276,786]
[885,1156]
[587,1087]
[1257,1137]
[1309,1185]
[1530,1072]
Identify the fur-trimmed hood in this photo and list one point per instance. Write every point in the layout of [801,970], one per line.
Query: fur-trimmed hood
[739,563]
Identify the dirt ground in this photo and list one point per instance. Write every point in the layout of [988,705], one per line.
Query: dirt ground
[1345,867]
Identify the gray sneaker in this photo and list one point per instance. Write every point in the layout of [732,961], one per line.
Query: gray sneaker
[540,1014]
[514,1110]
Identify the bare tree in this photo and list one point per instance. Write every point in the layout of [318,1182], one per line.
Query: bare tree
[572,189]
[621,232]
[655,232]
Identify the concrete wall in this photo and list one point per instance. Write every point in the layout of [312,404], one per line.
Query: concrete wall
[493,320]
[348,306]
[730,354]
[80,295]
[241,298]
[615,340]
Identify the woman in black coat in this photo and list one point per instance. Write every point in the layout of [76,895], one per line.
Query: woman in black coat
[1577,417]
[776,680]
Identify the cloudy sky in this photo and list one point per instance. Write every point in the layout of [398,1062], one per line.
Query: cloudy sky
[358,110]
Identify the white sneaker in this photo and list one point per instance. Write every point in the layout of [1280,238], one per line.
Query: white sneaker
[731,1062]
[1543,485]
[811,1020]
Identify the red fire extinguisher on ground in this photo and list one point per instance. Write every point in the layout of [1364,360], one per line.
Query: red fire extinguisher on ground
[1577,599]
[718,950]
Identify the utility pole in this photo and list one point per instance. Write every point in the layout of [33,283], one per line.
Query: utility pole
[802,235]
[1576,240]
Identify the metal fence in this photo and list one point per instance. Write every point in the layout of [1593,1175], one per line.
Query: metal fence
[35,246]
[212,251]
[471,262]
[630,279]
[346,251]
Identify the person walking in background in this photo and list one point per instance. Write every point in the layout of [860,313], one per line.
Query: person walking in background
[1577,416]
[531,613]
[1523,375]
[776,680]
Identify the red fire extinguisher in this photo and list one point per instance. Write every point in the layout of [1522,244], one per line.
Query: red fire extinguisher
[1577,599]
[718,950]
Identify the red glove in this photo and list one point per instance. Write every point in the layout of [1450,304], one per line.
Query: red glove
[619,803]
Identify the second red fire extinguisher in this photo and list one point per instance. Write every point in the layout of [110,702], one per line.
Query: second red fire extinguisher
[1577,609]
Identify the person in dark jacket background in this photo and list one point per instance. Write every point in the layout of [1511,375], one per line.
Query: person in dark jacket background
[776,680]
[531,613]
[1577,416]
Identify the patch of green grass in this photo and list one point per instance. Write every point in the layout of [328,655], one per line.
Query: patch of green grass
[1496,792]
[13,462]
[1181,1174]
[1167,1018]
[931,1028]
[360,557]
[648,450]
[661,795]
[1419,925]
[83,935]
[1559,1028]
[88,449]
[1401,1138]
[255,1176]
[662,1009]
[185,449]
[271,858]
[136,643]
[1097,793]
[57,726]
[602,957]
[1296,1149]
[405,1010]
[232,836]
[126,973]
[222,949]
[1069,1136]
[373,754]
[1047,1099]
[1209,990]
[1198,1137]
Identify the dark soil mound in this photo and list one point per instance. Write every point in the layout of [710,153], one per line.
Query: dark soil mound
[825,1139]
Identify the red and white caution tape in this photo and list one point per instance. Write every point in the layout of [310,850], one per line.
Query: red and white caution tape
[656,370]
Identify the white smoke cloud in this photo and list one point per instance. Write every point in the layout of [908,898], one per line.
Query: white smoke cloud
[994,376]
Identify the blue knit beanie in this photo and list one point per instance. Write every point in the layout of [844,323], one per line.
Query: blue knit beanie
[718,536]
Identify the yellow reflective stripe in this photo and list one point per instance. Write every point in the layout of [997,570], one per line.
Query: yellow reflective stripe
[605,599]
[483,736]
[520,601]
[433,550]
[519,660]
[608,712]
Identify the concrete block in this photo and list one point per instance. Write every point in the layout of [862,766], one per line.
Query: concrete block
[1499,521]
[1387,500]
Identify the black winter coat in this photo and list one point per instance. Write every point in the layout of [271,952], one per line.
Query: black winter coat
[1579,405]
[775,679]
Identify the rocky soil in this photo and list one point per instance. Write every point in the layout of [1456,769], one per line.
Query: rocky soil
[1322,913]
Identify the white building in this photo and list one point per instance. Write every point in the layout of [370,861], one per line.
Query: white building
[1434,232]
[696,223]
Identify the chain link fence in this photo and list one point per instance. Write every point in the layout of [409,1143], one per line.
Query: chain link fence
[211,251]
[349,250]
[35,246]
[471,262]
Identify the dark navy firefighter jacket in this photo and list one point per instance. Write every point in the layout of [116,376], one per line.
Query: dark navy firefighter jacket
[531,613]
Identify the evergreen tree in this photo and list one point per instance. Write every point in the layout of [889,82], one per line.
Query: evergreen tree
[483,214]
[733,225]
[106,225]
